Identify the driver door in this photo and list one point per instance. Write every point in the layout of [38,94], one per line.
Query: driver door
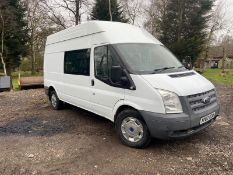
[106,88]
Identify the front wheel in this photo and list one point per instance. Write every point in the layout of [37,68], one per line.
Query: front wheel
[132,130]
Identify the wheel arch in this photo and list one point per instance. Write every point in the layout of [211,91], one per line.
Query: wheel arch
[50,89]
[122,105]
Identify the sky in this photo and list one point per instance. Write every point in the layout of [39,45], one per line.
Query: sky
[227,10]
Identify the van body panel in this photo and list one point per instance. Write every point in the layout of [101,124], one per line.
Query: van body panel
[72,44]
[76,90]
[76,32]
[144,96]
[101,31]
[53,75]
[182,86]
[122,103]
[104,98]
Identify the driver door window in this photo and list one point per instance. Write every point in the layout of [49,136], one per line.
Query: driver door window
[107,65]
[101,63]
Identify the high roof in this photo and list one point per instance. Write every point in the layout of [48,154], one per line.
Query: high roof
[113,32]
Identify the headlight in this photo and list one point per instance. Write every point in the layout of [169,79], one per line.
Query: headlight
[171,102]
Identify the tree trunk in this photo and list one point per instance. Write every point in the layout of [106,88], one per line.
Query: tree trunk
[77,15]
[3,63]
[8,69]
[33,54]
[110,9]
[2,43]
[208,43]
[181,13]
[223,61]
[33,60]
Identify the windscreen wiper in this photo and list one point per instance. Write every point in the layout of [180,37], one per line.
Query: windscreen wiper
[162,69]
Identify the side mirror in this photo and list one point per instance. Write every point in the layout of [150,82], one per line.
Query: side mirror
[118,76]
[187,62]
[124,81]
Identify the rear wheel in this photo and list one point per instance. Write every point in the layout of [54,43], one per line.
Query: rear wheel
[132,130]
[55,102]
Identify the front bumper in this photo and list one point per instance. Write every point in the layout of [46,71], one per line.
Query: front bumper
[165,126]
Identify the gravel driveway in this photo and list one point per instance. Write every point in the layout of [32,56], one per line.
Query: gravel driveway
[34,139]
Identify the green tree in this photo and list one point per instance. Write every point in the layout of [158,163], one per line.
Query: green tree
[182,26]
[15,32]
[102,11]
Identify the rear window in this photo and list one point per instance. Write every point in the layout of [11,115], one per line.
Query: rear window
[77,62]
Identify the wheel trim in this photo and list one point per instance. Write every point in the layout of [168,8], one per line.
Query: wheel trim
[132,129]
[54,100]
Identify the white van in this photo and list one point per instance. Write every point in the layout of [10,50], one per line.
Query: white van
[124,74]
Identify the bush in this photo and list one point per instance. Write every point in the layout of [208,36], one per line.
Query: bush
[25,65]
[25,74]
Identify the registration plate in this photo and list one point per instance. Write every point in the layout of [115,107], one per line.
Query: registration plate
[207,118]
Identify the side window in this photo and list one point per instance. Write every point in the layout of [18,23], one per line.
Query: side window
[107,65]
[77,62]
[101,62]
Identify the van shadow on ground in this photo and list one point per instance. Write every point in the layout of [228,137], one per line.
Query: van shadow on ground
[34,126]
[89,124]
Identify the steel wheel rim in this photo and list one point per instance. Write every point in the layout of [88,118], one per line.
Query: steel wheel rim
[132,129]
[54,100]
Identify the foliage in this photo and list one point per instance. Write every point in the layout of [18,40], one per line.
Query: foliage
[15,35]
[25,65]
[39,27]
[215,76]
[181,26]
[25,74]
[100,11]
[15,84]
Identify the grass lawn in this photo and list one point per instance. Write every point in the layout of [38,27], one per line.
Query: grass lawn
[215,76]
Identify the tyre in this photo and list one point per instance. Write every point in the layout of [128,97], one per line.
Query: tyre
[55,102]
[132,129]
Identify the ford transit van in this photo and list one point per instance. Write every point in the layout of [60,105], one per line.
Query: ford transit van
[124,74]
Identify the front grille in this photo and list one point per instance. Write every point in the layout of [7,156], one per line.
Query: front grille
[197,102]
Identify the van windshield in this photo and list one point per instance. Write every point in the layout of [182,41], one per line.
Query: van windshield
[147,58]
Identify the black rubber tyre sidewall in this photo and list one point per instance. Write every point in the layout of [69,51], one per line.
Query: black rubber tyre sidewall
[144,142]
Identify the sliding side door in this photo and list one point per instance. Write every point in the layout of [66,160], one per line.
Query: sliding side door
[76,78]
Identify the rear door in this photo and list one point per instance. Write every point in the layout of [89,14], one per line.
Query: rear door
[106,89]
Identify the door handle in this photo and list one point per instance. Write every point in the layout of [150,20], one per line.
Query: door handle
[92,82]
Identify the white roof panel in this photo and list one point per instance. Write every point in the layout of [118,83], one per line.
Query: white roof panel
[112,32]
